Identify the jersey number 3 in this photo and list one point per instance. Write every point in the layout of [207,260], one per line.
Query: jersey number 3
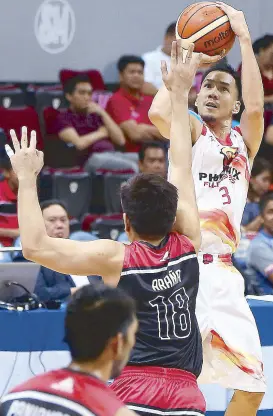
[225,194]
[173,315]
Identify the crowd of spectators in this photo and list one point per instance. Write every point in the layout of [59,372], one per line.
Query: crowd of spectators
[94,138]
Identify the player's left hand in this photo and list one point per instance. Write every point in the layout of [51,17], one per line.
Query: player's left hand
[236,18]
[26,160]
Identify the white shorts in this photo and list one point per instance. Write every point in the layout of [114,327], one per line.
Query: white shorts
[231,345]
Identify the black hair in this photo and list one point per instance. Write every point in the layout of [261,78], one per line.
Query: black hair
[5,163]
[150,202]
[49,202]
[229,70]
[171,29]
[264,200]
[260,165]
[129,59]
[95,314]
[70,84]
[262,43]
[150,145]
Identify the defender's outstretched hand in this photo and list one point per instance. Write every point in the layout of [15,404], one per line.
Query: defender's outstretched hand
[26,160]
[182,71]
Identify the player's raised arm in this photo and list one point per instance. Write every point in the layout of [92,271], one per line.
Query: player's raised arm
[252,123]
[178,81]
[101,257]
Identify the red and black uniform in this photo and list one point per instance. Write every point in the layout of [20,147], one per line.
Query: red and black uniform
[167,357]
[62,392]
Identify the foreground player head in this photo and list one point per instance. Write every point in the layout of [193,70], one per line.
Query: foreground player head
[220,93]
[149,204]
[100,327]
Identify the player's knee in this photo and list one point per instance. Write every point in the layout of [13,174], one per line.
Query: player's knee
[252,400]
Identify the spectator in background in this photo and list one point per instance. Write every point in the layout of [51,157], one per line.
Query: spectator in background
[91,130]
[52,285]
[260,254]
[263,48]
[261,176]
[129,107]
[9,228]
[153,158]
[269,137]
[152,69]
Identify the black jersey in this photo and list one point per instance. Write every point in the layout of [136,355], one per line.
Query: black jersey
[164,282]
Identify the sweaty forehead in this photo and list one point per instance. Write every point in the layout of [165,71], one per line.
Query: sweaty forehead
[219,76]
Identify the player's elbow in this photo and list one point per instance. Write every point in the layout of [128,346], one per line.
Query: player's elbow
[255,110]
[29,253]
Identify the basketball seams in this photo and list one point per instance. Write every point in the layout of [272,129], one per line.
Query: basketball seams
[207,29]
[185,25]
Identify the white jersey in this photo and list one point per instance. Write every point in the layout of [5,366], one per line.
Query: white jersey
[221,173]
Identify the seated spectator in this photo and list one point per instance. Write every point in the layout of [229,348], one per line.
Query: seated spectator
[51,285]
[269,134]
[152,69]
[129,107]
[91,130]
[9,228]
[260,255]
[263,49]
[261,176]
[153,158]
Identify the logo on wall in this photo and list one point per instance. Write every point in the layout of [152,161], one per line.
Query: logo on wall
[55,25]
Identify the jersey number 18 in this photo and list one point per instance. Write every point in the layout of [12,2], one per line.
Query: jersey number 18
[173,315]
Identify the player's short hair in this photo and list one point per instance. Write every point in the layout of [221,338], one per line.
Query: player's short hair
[95,314]
[260,165]
[150,145]
[129,59]
[150,203]
[229,70]
[50,202]
[170,31]
[266,198]
[262,43]
[71,84]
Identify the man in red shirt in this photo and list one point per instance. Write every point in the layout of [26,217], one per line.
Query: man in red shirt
[129,107]
[9,228]
[100,327]
[93,133]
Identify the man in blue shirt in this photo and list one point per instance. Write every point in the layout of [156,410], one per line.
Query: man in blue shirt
[260,255]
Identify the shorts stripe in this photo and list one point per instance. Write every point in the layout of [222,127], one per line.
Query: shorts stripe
[154,411]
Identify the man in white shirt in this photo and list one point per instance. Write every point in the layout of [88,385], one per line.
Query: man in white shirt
[152,71]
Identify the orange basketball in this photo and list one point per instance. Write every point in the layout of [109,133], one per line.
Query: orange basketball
[207,26]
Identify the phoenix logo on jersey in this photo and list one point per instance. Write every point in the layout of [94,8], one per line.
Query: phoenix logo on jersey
[230,156]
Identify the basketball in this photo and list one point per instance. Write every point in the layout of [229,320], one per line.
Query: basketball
[208,27]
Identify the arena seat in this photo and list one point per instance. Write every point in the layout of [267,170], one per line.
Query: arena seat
[16,118]
[11,97]
[75,189]
[94,75]
[109,228]
[112,184]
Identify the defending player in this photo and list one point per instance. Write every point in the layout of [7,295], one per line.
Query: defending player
[159,268]
[100,327]
[222,160]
